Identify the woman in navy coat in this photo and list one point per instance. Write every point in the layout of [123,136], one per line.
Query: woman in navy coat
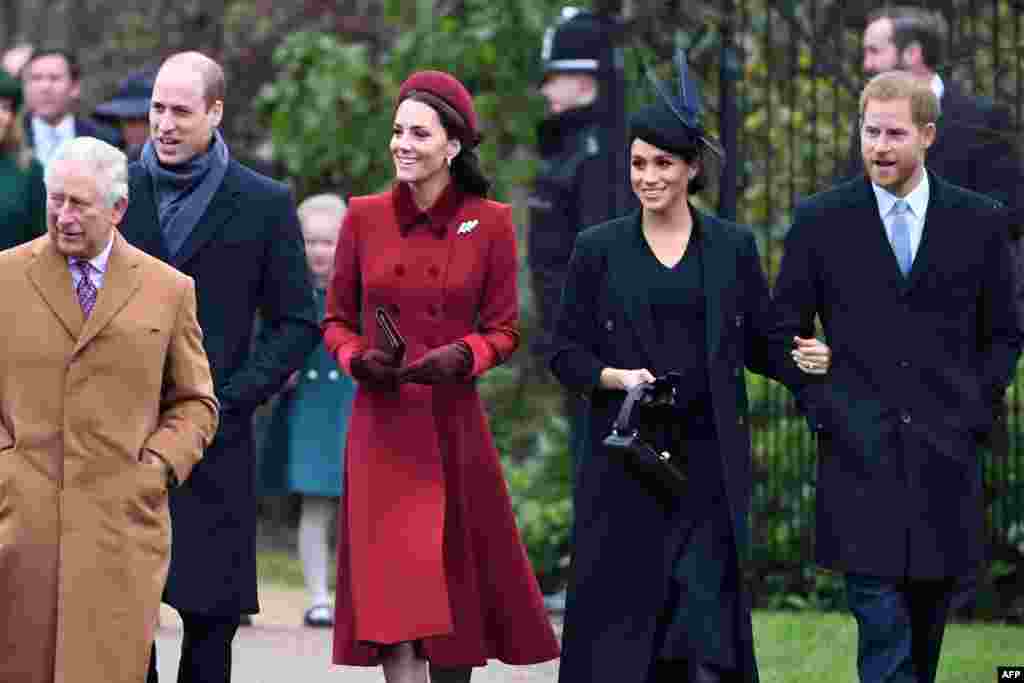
[430,563]
[656,593]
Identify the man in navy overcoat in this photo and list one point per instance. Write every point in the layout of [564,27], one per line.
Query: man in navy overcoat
[236,233]
[912,279]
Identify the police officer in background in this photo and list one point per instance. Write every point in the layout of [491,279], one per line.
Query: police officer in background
[583,176]
[582,179]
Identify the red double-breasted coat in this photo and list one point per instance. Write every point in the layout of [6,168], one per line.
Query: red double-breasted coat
[428,548]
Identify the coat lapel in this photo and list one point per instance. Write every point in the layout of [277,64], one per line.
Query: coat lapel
[223,206]
[864,217]
[719,270]
[51,277]
[142,226]
[120,283]
[934,228]
[623,268]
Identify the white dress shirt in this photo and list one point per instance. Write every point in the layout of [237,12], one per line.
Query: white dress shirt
[917,203]
[46,138]
[938,87]
[99,267]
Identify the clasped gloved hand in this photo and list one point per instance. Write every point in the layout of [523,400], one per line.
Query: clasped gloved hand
[375,368]
[445,364]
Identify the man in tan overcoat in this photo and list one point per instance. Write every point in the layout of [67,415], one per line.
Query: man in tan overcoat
[106,400]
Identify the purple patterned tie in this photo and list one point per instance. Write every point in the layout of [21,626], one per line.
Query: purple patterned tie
[85,290]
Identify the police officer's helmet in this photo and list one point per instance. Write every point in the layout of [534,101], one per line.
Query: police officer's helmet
[579,42]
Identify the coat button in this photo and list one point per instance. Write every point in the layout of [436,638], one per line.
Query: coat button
[399,270]
[393,309]
[904,364]
[739,320]
[433,271]
[741,420]
[609,325]
[906,418]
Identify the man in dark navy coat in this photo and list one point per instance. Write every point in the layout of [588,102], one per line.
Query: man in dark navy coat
[236,233]
[920,317]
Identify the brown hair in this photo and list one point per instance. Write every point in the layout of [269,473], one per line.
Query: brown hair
[899,85]
[916,25]
[14,144]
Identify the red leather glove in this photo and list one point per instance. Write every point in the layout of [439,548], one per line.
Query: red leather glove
[448,363]
[376,369]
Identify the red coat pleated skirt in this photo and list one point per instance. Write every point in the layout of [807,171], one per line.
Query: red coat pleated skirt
[428,548]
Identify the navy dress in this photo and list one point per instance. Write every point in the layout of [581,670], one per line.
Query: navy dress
[698,620]
[304,446]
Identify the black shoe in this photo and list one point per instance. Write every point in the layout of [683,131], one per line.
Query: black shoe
[319,616]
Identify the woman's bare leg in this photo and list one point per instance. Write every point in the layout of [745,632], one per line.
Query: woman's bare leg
[402,665]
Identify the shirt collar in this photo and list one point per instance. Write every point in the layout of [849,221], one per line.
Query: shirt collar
[436,218]
[65,127]
[917,199]
[100,261]
[938,87]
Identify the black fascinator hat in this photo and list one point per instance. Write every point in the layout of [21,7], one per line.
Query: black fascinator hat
[673,121]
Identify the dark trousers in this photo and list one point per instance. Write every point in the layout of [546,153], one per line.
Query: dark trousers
[899,627]
[205,649]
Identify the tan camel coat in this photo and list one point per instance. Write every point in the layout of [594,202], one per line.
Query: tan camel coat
[84,524]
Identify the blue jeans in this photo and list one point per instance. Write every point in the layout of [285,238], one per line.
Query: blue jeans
[899,627]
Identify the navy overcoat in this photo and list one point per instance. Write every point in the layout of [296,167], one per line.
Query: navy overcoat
[625,545]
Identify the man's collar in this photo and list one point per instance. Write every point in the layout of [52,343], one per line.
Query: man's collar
[917,199]
[65,125]
[100,261]
[436,218]
[937,86]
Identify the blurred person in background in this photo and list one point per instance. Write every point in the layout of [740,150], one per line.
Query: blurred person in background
[22,193]
[128,111]
[303,451]
[52,83]
[14,59]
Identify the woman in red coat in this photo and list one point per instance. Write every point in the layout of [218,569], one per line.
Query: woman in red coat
[430,563]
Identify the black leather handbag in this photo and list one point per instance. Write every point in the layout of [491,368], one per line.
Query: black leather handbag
[642,435]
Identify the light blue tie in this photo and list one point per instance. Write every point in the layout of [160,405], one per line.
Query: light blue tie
[901,235]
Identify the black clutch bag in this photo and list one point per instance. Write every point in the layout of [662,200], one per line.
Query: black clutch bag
[392,337]
[642,435]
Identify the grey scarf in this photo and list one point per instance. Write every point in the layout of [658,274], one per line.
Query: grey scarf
[184,191]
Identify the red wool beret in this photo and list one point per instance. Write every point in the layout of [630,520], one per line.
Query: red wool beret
[447,88]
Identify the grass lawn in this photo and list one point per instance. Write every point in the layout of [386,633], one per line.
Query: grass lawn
[805,647]
[811,647]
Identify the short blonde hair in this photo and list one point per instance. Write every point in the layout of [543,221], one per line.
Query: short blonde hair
[900,85]
[109,163]
[331,204]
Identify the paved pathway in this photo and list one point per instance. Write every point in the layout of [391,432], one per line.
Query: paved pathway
[276,649]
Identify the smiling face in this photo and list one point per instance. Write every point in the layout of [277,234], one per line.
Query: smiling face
[180,120]
[77,216]
[419,144]
[893,146]
[660,179]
